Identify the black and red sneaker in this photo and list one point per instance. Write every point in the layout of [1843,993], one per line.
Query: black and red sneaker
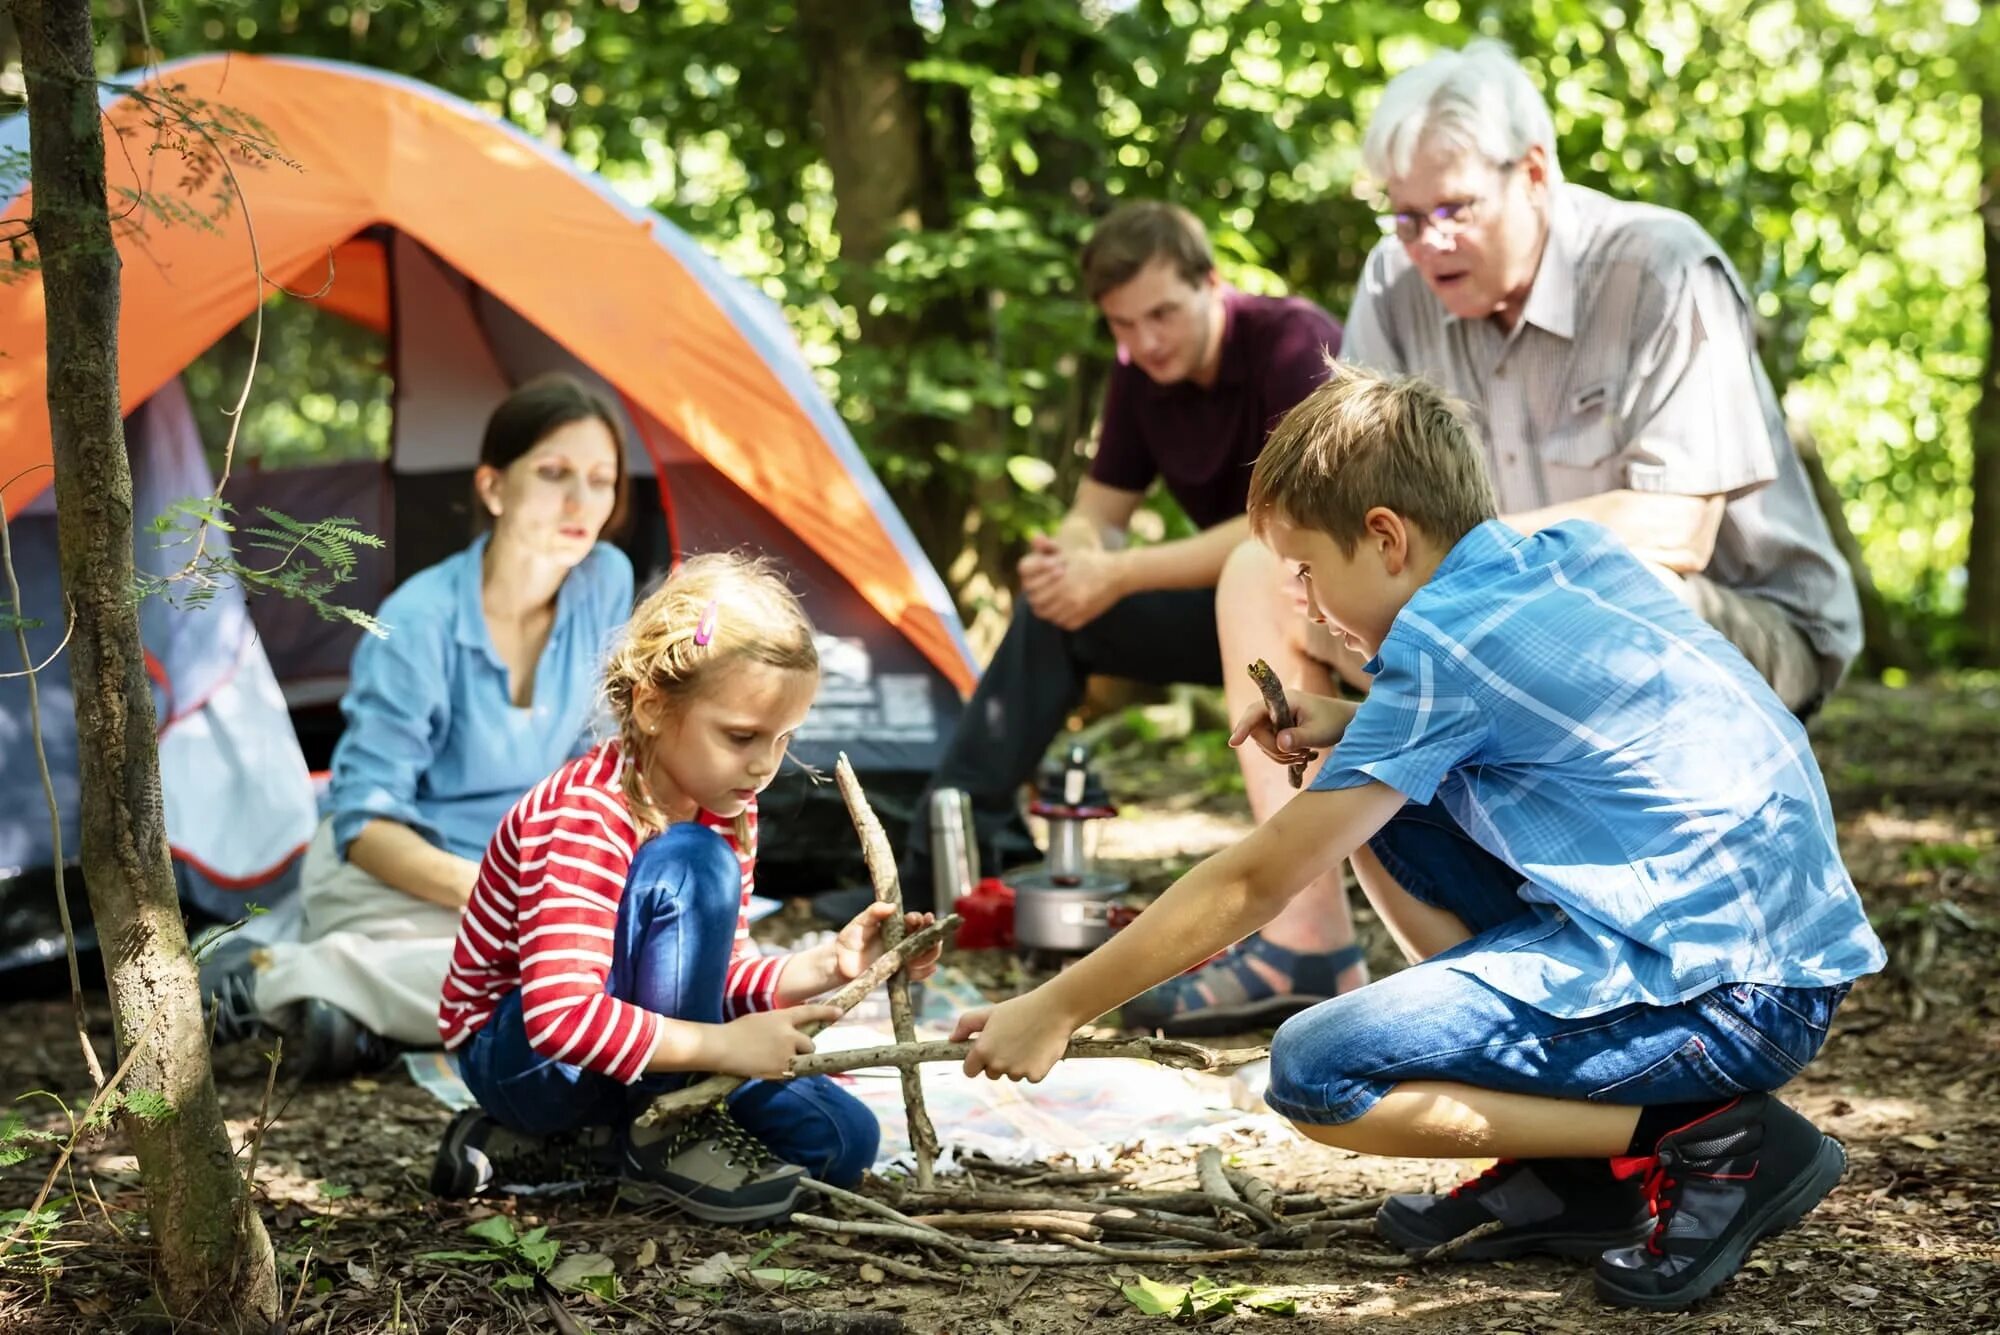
[1561,1207]
[1751,1168]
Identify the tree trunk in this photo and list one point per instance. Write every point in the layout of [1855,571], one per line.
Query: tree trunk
[215,1260]
[1982,561]
[893,147]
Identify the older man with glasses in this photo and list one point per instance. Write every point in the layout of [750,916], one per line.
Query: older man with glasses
[1606,353]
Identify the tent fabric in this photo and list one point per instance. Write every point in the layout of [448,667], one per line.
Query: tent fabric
[623,291]
[239,803]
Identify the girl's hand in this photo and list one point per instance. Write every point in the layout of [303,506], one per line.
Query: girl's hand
[1019,1039]
[761,1045]
[860,943]
[1318,722]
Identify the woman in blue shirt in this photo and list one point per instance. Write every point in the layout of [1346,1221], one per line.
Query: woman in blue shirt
[485,684]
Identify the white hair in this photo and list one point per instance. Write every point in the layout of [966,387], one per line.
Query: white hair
[1477,100]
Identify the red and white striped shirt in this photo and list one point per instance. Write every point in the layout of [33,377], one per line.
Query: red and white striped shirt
[544,914]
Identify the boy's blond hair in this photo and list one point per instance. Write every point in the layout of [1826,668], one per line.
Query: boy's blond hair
[1365,439]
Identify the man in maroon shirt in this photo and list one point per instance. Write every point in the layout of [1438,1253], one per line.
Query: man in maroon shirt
[1204,372]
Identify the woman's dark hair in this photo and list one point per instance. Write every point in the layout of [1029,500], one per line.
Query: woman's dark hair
[538,407]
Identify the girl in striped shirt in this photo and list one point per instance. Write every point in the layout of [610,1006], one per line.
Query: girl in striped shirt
[605,954]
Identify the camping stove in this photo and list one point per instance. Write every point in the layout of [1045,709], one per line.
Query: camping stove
[1064,904]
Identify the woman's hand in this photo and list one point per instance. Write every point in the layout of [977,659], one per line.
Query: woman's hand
[761,1045]
[860,944]
[1019,1039]
[1317,723]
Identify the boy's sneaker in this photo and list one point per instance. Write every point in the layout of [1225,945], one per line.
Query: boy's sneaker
[710,1167]
[479,1156]
[1562,1207]
[1745,1171]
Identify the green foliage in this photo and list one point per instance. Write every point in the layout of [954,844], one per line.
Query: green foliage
[18,1140]
[311,560]
[1829,145]
[1203,1300]
[525,1255]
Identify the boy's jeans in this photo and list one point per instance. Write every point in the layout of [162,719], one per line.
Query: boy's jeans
[1430,1022]
[676,927]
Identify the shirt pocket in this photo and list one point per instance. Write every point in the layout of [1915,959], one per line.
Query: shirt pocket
[1580,456]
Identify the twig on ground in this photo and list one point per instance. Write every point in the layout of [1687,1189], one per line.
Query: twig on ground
[1172,1052]
[1254,1190]
[806,1322]
[888,885]
[1463,1240]
[865,1204]
[1216,1186]
[833,1251]
[1368,1205]
[718,1087]
[1067,1223]
[1110,1214]
[1148,1256]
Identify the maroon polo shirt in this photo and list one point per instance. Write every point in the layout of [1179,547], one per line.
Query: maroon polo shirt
[1202,442]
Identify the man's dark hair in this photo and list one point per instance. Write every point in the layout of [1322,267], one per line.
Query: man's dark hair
[538,407]
[1134,235]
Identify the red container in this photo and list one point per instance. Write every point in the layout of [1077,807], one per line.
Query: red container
[989,916]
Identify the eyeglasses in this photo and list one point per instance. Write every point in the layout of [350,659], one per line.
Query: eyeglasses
[1447,220]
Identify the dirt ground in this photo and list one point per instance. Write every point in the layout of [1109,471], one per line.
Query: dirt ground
[1910,1080]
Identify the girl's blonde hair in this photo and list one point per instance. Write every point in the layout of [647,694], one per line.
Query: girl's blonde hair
[713,610]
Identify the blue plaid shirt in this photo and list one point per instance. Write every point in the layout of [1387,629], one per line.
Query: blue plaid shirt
[1663,808]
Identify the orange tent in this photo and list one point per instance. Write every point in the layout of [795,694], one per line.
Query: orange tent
[409,197]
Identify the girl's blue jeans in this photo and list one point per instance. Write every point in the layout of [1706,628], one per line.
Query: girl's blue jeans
[676,927]
[1430,1022]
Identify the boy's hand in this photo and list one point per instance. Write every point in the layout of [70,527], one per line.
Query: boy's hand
[761,1045]
[1318,722]
[1019,1039]
[860,943]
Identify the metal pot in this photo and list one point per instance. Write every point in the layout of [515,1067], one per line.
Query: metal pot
[1070,914]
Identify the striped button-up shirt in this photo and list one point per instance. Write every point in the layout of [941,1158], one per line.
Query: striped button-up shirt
[1632,367]
[1663,808]
[544,913]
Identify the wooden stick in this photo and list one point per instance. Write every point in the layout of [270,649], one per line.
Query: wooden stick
[807,1322]
[1047,1221]
[1005,1254]
[1166,1051]
[1108,1214]
[1215,1185]
[889,890]
[702,1093]
[1254,1190]
[1273,691]
[833,1251]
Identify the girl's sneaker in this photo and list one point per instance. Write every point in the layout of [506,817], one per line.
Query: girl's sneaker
[710,1167]
[479,1156]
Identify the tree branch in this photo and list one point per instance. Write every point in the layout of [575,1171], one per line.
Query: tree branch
[718,1087]
[1172,1052]
[881,862]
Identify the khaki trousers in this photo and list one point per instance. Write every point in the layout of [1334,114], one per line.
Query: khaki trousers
[368,948]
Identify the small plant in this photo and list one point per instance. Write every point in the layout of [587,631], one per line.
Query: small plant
[526,1255]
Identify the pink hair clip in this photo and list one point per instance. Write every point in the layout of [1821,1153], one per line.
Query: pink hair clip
[704,630]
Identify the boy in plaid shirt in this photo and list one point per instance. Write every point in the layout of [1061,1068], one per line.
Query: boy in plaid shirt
[1600,838]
